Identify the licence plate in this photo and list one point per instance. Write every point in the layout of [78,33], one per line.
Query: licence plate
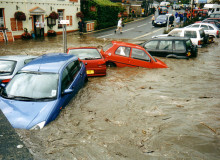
[90,72]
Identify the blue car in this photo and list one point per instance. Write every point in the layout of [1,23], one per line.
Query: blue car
[37,93]
[161,20]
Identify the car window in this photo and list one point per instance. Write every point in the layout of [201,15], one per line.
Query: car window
[151,45]
[69,74]
[85,53]
[26,61]
[202,33]
[165,45]
[139,54]
[190,34]
[205,27]
[175,33]
[211,28]
[123,51]
[7,67]
[179,45]
[195,26]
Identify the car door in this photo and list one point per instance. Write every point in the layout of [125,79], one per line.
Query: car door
[165,48]
[140,58]
[151,47]
[71,79]
[121,56]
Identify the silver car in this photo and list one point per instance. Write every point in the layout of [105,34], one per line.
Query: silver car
[9,65]
[209,28]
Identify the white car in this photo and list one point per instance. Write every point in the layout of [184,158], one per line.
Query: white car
[9,65]
[197,35]
[209,28]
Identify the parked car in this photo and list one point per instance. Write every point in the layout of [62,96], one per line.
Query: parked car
[215,15]
[197,35]
[176,6]
[209,28]
[92,58]
[216,19]
[9,65]
[212,21]
[161,20]
[122,54]
[37,93]
[171,47]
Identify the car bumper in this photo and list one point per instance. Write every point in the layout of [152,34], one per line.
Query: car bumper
[93,72]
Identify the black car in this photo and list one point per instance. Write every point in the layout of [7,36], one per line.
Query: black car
[171,47]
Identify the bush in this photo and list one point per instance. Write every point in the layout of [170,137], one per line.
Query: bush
[54,15]
[20,16]
[79,15]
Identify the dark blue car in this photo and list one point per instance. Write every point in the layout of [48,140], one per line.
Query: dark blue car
[161,20]
[37,93]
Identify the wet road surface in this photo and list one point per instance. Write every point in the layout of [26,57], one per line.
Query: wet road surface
[133,113]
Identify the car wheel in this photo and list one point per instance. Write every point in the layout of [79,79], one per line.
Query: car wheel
[110,64]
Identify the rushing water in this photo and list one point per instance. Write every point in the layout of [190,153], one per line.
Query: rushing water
[133,113]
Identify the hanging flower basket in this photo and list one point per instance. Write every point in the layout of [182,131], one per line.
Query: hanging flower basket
[79,15]
[54,15]
[20,16]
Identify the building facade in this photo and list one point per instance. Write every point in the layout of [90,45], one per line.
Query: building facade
[38,11]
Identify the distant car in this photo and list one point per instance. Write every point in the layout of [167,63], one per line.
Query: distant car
[216,19]
[215,22]
[122,54]
[92,58]
[163,10]
[209,28]
[9,65]
[197,35]
[176,7]
[171,47]
[161,20]
[37,93]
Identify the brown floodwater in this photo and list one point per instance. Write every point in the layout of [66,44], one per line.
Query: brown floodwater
[133,113]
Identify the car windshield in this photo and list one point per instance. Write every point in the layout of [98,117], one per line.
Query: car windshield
[7,67]
[161,18]
[31,86]
[106,47]
[86,54]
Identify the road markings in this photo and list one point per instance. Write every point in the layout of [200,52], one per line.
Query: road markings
[148,33]
[142,25]
[113,34]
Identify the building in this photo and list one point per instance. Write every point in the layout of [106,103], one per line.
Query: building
[38,10]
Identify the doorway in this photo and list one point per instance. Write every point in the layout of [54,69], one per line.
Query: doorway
[38,26]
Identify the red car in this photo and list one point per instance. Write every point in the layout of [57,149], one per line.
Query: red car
[91,57]
[123,54]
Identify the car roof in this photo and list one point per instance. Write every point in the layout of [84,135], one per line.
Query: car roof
[52,62]
[120,43]
[17,57]
[171,38]
[209,24]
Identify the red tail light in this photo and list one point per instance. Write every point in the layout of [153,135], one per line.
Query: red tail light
[6,80]
[217,32]
[199,43]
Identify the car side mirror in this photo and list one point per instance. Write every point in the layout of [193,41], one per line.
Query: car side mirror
[67,91]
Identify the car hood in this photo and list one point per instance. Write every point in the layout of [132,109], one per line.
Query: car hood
[161,64]
[23,114]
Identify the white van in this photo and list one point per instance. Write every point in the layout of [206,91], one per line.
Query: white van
[212,8]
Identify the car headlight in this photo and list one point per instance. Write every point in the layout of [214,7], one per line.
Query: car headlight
[38,126]
[164,22]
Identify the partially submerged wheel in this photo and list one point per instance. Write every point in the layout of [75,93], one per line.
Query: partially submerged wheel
[110,64]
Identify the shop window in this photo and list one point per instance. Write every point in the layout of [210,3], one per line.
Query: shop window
[2,22]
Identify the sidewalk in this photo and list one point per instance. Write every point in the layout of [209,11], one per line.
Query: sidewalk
[11,147]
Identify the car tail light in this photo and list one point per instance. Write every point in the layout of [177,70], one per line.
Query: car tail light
[199,42]
[217,32]
[6,80]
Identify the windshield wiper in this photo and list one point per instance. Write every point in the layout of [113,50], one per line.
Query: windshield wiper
[5,72]
[91,58]
[23,98]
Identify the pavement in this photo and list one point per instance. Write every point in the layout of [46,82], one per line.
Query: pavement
[11,147]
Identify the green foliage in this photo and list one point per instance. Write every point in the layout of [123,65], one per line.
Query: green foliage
[105,13]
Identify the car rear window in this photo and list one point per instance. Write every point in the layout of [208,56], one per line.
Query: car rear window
[7,67]
[190,34]
[86,53]
[106,47]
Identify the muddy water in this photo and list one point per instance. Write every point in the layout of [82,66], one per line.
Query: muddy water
[134,113]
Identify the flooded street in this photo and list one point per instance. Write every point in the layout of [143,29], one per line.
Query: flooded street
[133,113]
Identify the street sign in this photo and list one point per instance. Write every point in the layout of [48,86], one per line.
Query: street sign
[64,22]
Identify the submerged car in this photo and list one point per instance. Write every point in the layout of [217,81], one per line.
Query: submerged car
[161,20]
[122,54]
[37,93]
[92,58]
[9,65]
[171,47]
